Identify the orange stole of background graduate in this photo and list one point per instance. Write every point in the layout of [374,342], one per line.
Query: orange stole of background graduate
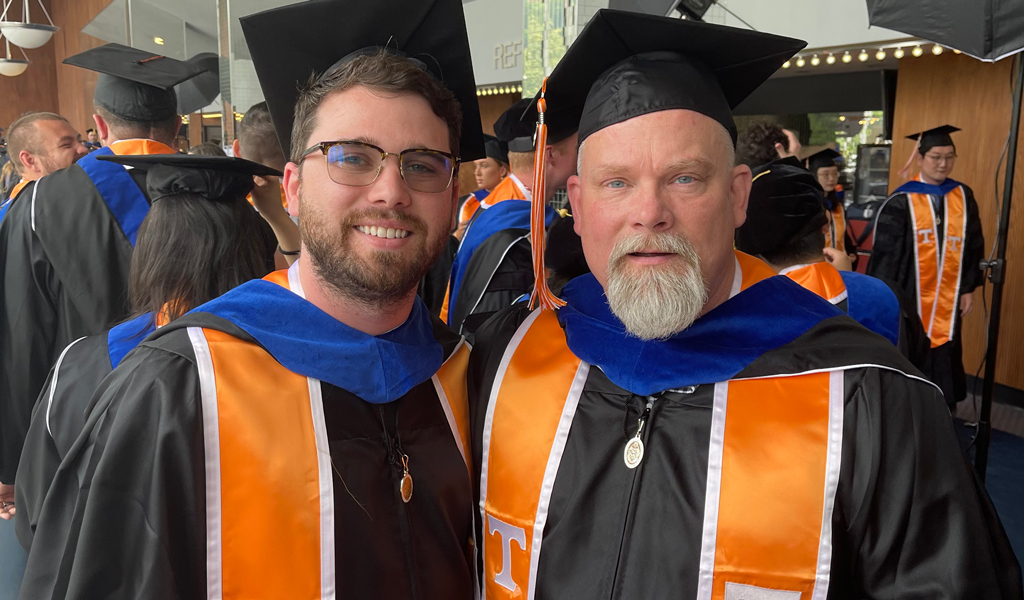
[526,418]
[835,237]
[938,275]
[821,278]
[752,269]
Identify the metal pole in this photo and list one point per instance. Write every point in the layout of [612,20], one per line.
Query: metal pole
[997,275]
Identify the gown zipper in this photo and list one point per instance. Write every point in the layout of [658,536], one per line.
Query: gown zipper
[395,455]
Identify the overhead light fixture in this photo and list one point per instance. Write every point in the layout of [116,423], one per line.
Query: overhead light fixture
[24,33]
[785,65]
[880,55]
[159,41]
[899,53]
[846,57]
[831,59]
[917,51]
[815,61]
[863,56]
[12,67]
[936,49]
[800,61]
[519,89]
[842,118]
[955,51]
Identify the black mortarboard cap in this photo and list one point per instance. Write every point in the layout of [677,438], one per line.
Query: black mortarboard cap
[824,158]
[516,130]
[786,205]
[495,148]
[133,84]
[212,177]
[626,64]
[290,43]
[938,136]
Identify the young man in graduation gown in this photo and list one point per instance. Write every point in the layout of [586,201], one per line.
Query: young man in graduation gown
[39,143]
[786,225]
[239,454]
[64,255]
[824,168]
[928,239]
[493,267]
[697,426]
[489,172]
[199,217]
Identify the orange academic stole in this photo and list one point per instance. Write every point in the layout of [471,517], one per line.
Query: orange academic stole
[938,269]
[771,489]
[821,278]
[835,237]
[264,429]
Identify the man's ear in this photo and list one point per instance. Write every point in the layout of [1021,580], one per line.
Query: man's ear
[290,183]
[236,149]
[28,161]
[572,188]
[102,129]
[740,193]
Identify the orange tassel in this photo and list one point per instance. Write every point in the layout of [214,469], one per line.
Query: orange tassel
[542,295]
[905,171]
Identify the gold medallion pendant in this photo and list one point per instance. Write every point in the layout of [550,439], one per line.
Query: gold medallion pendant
[406,486]
[633,453]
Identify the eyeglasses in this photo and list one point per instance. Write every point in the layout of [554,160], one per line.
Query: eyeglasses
[939,158]
[359,164]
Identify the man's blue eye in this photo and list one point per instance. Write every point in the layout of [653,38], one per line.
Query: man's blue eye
[685,179]
[617,184]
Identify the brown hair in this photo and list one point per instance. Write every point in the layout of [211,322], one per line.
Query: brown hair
[162,131]
[756,145]
[381,72]
[207,149]
[257,139]
[191,250]
[22,137]
[521,162]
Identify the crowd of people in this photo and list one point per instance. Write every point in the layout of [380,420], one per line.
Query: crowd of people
[316,369]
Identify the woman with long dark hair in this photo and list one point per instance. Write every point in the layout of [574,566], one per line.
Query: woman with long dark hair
[200,239]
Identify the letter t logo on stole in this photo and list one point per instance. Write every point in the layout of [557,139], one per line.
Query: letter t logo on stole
[925,233]
[508,534]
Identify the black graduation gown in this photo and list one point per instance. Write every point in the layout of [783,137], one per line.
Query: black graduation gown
[499,272]
[137,529]
[57,419]
[434,284]
[893,258]
[64,263]
[911,520]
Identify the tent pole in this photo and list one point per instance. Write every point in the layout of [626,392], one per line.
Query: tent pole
[997,275]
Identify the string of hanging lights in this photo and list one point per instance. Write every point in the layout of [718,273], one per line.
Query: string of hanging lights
[899,51]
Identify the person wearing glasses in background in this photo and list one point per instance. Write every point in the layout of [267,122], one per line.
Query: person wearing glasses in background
[248,455]
[928,239]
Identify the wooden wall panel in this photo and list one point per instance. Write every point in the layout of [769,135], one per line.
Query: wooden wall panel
[75,86]
[36,88]
[975,96]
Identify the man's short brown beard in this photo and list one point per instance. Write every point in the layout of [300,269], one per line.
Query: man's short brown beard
[383,280]
[656,302]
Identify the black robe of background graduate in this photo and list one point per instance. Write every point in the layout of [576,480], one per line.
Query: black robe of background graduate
[64,255]
[893,257]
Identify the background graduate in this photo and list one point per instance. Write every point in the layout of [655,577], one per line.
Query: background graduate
[786,224]
[699,427]
[64,258]
[304,435]
[928,239]
[489,172]
[825,169]
[200,239]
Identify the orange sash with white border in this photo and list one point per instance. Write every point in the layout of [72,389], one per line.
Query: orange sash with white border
[938,268]
[821,278]
[835,237]
[264,429]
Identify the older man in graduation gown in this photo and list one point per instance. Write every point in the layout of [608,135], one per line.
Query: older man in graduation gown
[64,255]
[928,239]
[689,424]
[236,453]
